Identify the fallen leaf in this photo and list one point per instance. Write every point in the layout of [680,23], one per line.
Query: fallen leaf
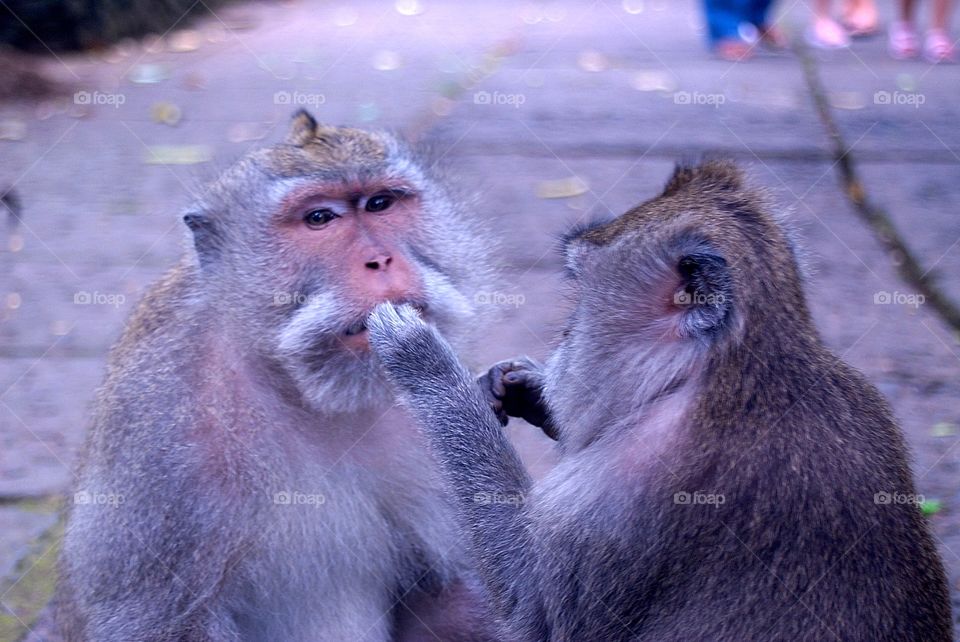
[177,154]
[243,132]
[165,113]
[12,129]
[386,60]
[562,188]
[184,41]
[931,506]
[148,74]
[592,61]
[944,429]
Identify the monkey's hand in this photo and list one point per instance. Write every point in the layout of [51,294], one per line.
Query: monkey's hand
[417,360]
[514,388]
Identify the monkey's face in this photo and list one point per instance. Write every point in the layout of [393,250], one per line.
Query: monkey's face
[323,229]
[347,248]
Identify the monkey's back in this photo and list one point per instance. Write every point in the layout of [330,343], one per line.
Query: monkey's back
[820,534]
[133,450]
[781,533]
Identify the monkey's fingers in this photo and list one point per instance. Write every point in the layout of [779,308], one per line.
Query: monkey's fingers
[497,387]
[505,382]
[524,396]
[393,330]
[493,390]
[416,358]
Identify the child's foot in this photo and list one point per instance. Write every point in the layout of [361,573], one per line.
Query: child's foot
[861,20]
[733,49]
[938,47]
[903,43]
[826,33]
[773,37]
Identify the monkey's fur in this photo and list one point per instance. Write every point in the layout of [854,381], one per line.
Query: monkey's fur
[720,467]
[252,498]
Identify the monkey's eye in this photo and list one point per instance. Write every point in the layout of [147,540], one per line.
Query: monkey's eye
[380,202]
[318,218]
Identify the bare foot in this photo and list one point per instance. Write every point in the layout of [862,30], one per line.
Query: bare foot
[733,50]
[773,37]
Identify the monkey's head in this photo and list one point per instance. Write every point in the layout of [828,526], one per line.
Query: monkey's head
[670,284]
[299,241]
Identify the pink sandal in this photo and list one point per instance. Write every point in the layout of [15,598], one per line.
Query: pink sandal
[903,43]
[826,33]
[938,47]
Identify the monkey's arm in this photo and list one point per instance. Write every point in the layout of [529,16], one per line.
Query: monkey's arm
[514,388]
[479,463]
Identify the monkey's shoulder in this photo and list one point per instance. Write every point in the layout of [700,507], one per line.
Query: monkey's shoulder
[163,313]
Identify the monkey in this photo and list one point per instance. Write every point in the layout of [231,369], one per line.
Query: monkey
[247,475]
[722,474]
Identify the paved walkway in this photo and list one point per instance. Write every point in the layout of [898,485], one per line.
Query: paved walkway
[552,111]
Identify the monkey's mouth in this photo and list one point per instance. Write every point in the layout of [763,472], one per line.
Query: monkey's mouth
[360,326]
[356,328]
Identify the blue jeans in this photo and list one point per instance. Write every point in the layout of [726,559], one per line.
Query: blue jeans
[724,17]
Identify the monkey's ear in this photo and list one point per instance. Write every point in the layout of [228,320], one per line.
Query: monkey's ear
[204,235]
[704,296]
[303,128]
[715,174]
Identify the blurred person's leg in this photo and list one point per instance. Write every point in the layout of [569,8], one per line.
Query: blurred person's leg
[724,18]
[860,17]
[903,42]
[907,8]
[771,35]
[825,32]
[938,46]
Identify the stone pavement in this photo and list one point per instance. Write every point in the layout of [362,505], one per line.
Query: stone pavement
[552,112]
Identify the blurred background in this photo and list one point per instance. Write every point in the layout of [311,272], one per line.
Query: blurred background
[113,118]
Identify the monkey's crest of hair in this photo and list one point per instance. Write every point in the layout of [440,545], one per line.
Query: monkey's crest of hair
[311,147]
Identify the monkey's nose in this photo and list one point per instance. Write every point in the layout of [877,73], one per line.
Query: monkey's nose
[379,262]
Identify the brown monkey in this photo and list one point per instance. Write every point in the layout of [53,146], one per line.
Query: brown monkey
[723,475]
[246,476]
